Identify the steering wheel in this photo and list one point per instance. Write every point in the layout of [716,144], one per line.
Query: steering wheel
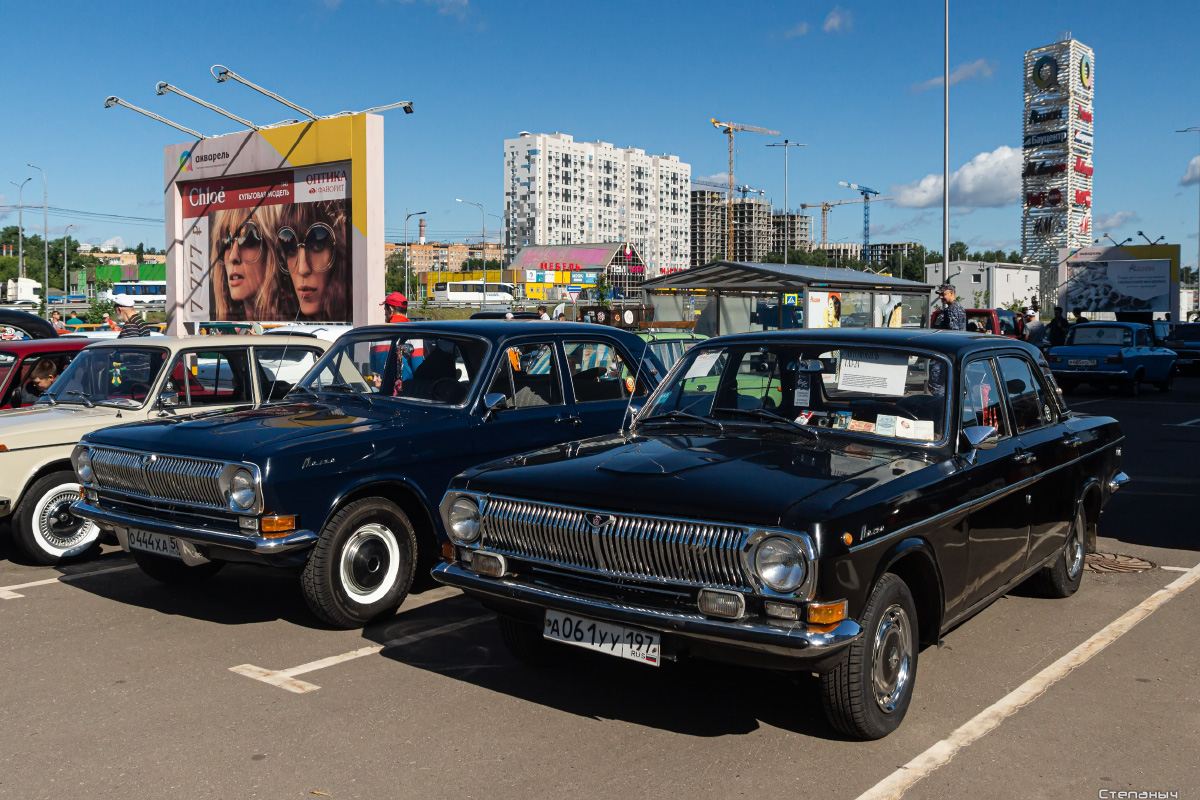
[593,374]
[444,390]
[138,390]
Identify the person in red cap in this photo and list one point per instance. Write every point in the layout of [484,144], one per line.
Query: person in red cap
[395,307]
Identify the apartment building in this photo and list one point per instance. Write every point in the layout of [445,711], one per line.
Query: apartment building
[793,231]
[439,255]
[708,227]
[840,252]
[752,228]
[558,191]
[882,252]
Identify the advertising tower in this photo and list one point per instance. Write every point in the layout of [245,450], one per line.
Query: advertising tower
[1056,179]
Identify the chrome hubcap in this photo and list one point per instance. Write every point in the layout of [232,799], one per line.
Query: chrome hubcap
[891,671]
[369,563]
[58,527]
[1074,553]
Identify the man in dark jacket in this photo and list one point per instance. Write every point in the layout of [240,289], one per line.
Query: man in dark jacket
[952,318]
[1058,327]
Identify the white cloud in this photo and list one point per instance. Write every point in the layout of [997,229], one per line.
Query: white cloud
[799,29]
[1111,222]
[988,180]
[116,241]
[840,20]
[1193,173]
[982,68]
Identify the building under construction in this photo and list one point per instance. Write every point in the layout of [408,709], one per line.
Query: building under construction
[708,226]
[793,231]
[752,231]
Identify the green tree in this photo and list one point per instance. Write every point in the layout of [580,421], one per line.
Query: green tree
[603,289]
[958,251]
[140,250]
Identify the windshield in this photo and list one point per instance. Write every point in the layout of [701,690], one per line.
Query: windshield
[407,364]
[876,391]
[1100,334]
[7,360]
[120,376]
[1187,333]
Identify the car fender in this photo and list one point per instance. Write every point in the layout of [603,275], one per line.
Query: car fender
[385,485]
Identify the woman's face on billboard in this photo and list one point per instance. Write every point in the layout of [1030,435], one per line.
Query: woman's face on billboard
[309,261]
[244,262]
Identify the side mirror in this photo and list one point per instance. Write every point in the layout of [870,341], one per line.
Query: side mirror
[981,437]
[493,402]
[168,400]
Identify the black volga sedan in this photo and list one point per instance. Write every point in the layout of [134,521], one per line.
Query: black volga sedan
[826,501]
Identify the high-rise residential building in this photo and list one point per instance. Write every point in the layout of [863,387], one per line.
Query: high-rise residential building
[559,191]
[1056,177]
[793,231]
[881,253]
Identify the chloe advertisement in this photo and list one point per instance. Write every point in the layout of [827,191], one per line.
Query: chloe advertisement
[269,247]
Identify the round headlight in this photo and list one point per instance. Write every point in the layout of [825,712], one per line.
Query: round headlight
[464,520]
[83,467]
[781,564]
[241,490]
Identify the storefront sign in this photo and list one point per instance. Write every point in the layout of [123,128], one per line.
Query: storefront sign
[1042,139]
[1085,71]
[1045,72]
[1082,167]
[1083,138]
[1083,197]
[1036,168]
[1044,226]
[1050,198]
[1036,117]
[1085,113]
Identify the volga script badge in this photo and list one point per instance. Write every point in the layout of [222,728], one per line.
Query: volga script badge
[599,521]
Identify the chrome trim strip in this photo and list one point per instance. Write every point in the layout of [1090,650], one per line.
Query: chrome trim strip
[258,544]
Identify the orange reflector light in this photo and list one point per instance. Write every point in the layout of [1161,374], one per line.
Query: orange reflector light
[3,448]
[278,524]
[827,613]
[447,551]
[847,538]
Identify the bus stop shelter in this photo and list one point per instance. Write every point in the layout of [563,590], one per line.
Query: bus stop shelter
[736,297]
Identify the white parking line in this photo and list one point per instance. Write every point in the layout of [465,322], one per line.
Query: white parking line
[1174,569]
[9,593]
[286,678]
[1191,423]
[895,785]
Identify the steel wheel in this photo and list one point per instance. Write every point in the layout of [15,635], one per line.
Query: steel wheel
[890,670]
[369,563]
[1073,555]
[45,528]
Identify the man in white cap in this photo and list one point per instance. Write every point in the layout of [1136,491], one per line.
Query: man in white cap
[132,323]
[1035,331]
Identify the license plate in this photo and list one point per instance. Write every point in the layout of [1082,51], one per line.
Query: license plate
[1186,361]
[634,644]
[1081,362]
[154,543]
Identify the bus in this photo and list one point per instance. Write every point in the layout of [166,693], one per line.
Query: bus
[471,293]
[142,292]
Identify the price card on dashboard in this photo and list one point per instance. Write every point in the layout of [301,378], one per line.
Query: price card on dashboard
[873,372]
[803,391]
[702,365]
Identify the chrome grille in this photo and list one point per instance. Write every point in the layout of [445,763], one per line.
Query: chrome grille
[183,480]
[642,548]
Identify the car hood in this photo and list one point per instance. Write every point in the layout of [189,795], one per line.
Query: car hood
[44,425]
[256,433]
[742,479]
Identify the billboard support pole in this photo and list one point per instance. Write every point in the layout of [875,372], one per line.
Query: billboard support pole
[113,100]
[1194,129]
[162,87]
[223,74]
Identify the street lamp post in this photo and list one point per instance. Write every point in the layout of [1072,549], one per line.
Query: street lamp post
[946,151]
[20,226]
[66,287]
[1194,129]
[45,244]
[407,216]
[483,240]
[787,239]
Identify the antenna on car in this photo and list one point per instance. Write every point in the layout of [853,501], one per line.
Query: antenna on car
[636,377]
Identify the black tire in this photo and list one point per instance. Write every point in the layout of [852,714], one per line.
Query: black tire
[1061,578]
[525,642]
[1167,384]
[887,651]
[1134,387]
[174,572]
[363,565]
[45,529]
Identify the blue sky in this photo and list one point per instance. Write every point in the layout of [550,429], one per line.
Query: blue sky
[844,78]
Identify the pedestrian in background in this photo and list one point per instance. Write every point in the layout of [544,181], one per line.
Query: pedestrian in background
[541,310]
[1079,317]
[1035,329]
[108,323]
[132,323]
[395,307]
[952,318]
[56,321]
[1057,329]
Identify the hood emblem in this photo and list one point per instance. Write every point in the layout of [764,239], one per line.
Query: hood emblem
[147,460]
[599,521]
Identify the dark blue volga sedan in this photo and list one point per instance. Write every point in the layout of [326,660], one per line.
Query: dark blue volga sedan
[344,476]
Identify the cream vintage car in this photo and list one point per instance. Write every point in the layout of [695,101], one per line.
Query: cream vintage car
[117,382]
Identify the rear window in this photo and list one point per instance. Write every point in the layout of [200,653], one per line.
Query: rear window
[1188,333]
[1100,334]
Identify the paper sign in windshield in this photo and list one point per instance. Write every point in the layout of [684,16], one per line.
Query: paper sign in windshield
[872,372]
[803,391]
[702,365]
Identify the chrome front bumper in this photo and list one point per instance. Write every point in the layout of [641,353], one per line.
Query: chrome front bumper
[255,543]
[792,640]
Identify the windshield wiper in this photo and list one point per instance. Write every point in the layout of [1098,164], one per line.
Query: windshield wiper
[678,416]
[298,390]
[51,396]
[341,388]
[767,416]
[87,400]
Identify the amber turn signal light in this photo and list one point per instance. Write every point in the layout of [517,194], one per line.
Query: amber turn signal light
[278,524]
[827,613]
[447,551]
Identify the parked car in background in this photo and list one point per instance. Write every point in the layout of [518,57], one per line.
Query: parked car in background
[1184,341]
[18,358]
[998,321]
[670,345]
[906,481]
[344,477]
[25,325]
[114,382]
[1108,354]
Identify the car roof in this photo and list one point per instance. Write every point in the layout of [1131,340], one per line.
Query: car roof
[954,343]
[44,345]
[1108,324]
[498,329]
[176,343]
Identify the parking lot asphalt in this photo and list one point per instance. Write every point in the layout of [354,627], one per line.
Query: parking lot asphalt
[114,686]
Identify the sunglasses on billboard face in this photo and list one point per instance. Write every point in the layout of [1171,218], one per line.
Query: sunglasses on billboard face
[249,240]
[318,245]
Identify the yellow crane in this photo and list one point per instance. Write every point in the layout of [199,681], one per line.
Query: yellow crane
[728,128]
[826,208]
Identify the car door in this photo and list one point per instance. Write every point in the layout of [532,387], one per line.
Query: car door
[998,526]
[603,379]
[1047,449]
[535,413]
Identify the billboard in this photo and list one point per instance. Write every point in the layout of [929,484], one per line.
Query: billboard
[1120,279]
[274,245]
[283,224]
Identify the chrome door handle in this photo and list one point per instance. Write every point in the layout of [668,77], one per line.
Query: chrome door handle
[1025,458]
[570,420]
[1073,441]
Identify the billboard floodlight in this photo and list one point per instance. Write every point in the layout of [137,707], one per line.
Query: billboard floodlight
[223,74]
[162,87]
[113,100]
[405,104]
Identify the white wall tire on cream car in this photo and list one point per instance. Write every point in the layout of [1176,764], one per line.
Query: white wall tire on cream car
[363,565]
[44,527]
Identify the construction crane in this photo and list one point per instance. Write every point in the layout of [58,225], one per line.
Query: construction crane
[866,193]
[745,189]
[825,209]
[729,128]
[710,184]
